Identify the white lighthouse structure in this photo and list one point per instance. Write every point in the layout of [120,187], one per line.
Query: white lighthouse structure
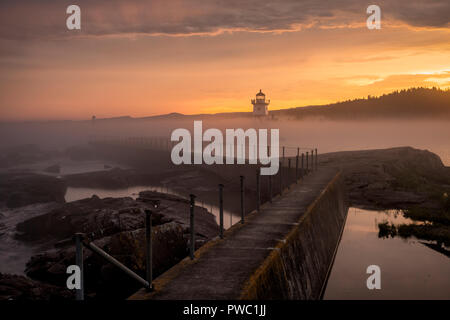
[260,104]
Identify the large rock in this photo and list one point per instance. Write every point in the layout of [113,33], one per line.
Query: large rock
[391,178]
[21,189]
[177,209]
[94,216]
[117,226]
[15,287]
[104,280]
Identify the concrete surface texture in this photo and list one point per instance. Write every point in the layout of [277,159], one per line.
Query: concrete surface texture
[258,259]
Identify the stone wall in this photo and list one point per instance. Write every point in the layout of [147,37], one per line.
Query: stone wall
[299,267]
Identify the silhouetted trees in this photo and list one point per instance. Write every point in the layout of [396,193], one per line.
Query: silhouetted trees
[408,103]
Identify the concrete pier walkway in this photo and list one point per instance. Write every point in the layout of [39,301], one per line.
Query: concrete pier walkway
[223,267]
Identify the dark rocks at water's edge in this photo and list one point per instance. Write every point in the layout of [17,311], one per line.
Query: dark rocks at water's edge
[15,287]
[21,189]
[91,215]
[392,178]
[103,217]
[117,226]
[413,181]
[103,280]
[205,223]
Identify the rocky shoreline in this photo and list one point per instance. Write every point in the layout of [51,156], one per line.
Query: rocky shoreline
[115,225]
[399,178]
[412,181]
[395,178]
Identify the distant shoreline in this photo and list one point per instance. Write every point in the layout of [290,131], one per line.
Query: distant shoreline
[409,104]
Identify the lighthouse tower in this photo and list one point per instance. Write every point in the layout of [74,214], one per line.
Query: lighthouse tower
[260,104]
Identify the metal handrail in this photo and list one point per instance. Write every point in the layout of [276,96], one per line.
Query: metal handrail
[81,241]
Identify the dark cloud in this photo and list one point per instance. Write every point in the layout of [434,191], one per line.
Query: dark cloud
[44,18]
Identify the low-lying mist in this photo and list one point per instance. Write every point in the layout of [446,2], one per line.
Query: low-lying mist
[327,136]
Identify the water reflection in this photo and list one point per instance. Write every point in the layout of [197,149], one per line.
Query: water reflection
[409,268]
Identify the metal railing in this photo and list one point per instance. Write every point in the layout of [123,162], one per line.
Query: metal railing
[304,164]
[82,241]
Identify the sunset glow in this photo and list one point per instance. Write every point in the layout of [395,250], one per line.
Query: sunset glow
[117,65]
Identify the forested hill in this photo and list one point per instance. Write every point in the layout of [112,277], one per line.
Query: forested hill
[410,103]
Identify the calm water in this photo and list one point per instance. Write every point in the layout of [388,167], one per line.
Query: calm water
[14,253]
[409,269]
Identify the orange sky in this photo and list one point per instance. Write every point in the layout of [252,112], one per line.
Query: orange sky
[316,60]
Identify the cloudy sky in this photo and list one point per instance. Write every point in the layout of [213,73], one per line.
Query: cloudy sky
[144,58]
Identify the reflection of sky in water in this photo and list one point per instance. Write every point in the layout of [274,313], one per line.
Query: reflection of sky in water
[409,269]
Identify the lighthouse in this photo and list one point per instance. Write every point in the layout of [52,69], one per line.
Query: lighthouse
[260,104]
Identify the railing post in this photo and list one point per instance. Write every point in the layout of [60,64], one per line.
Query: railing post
[281,179]
[307,162]
[312,160]
[221,210]
[258,190]
[79,262]
[192,206]
[289,172]
[303,167]
[283,154]
[296,165]
[316,159]
[242,199]
[270,189]
[149,248]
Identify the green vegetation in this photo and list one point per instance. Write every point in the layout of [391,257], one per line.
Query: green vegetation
[428,215]
[435,224]
[410,103]
[432,232]
[386,230]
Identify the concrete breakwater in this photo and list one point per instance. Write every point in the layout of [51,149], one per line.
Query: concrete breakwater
[300,266]
[285,251]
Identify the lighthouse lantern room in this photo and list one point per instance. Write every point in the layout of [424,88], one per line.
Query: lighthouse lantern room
[260,104]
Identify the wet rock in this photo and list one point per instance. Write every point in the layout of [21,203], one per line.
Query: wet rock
[103,217]
[94,216]
[177,209]
[15,287]
[102,279]
[21,189]
[391,178]
[117,226]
